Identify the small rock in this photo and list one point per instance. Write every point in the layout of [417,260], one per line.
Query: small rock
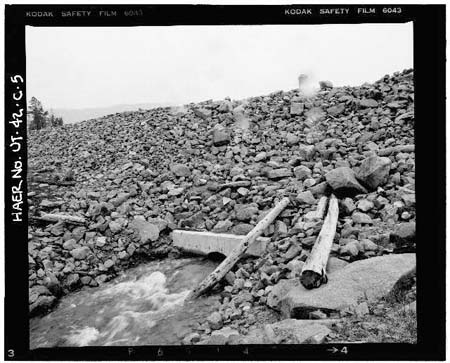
[306,197]
[361,218]
[80,253]
[279,173]
[180,170]
[364,205]
[215,321]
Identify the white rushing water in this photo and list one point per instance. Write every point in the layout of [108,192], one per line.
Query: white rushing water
[144,306]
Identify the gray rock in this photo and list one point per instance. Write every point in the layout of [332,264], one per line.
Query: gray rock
[348,205]
[342,180]
[215,321]
[222,226]
[361,218]
[70,244]
[364,205]
[372,278]
[180,170]
[246,213]
[115,227]
[351,249]
[302,172]
[368,245]
[374,171]
[147,231]
[306,152]
[221,137]
[279,173]
[368,102]
[306,197]
[336,110]
[297,108]
[80,253]
[292,139]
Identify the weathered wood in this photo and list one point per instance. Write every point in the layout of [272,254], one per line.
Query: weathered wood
[53,217]
[314,269]
[321,207]
[396,149]
[237,252]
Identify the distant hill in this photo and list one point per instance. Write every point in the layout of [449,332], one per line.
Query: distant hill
[73,115]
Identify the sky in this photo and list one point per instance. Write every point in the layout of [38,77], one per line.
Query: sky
[74,67]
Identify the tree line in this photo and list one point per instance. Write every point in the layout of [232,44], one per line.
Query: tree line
[38,118]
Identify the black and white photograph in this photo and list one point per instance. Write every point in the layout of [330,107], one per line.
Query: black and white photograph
[235,184]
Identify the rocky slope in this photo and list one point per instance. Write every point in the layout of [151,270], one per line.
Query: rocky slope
[220,166]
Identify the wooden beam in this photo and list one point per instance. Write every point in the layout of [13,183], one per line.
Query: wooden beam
[61,217]
[314,269]
[237,252]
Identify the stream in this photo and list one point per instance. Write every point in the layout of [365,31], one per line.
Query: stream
[142,306]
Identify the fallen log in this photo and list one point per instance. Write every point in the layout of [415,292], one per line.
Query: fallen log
[237,252]
[396,149]
[314,270]
[53,217]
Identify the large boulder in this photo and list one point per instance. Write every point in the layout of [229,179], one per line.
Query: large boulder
[343,182]
[372,279]
[374,171]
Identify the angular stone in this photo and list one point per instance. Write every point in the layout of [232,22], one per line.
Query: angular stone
[180,170]
[292,139]
[306,197]
[279,173]
[336,110]
[222,226]
[374,171]
[147,231]
[361,218]
[215,321]
[368,102]
[221,137]
[342,180]
[306,152]
[246,213]
[364,205]
[297,108]
[302,172]
[372,278]
[80,253]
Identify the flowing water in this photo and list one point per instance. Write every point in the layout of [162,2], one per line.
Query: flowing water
[143,306]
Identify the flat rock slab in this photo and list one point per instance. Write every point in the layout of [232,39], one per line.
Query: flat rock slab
[372,278]
[204,243]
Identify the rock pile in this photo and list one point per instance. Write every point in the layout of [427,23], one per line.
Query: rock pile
[136,176]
